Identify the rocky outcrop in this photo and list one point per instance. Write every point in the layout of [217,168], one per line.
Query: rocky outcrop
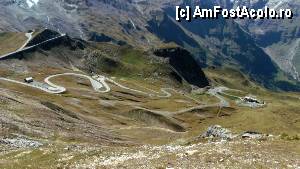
[94,36]
[218,132]
[184,65]
[21,142]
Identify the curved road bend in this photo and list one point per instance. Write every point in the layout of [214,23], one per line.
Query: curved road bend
[96,84]
[164,91]
[99,85]
[216,92]
[126,88]
[29,37]
[100,81]
[54,91]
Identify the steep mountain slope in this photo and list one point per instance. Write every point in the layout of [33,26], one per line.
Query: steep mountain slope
[225,42]
[219,42]
[77,18]
[279,38]
[150,24]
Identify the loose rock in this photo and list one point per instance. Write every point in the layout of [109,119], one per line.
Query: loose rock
[218,132]
[21,142]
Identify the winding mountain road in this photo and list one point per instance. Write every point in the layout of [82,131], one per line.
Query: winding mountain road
[99,84]
[29,37]
[24,48]
[51,91]
[216,92]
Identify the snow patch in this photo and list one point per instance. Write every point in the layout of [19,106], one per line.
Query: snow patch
[31,3]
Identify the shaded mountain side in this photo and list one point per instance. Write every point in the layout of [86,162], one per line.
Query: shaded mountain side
[43,36]
[228,39]
[127,62]
[287,86]
[165,28]
[280,38]
[267,32]
[186,66]
[94,36]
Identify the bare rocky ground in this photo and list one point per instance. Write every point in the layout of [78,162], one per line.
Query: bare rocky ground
[235,154]
[272,153]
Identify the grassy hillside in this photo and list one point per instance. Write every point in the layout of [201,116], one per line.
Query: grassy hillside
[82,126]
[10,42]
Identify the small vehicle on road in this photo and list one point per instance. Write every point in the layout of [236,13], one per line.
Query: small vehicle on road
[28,80]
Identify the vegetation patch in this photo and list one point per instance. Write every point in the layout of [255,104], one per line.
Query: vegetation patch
[154,119]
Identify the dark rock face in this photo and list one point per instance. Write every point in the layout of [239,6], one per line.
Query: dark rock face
[43,36]
[94,36]
[185,65]
[168,31]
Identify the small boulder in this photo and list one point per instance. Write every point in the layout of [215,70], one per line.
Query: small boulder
[252,135]
[217,131]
